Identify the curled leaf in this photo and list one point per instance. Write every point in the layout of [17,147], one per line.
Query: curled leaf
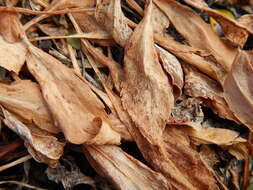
[39,141]
[75,108]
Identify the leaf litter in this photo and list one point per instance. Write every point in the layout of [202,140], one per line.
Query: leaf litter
[141,94]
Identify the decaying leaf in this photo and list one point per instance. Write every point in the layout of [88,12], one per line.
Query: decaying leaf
[173,67]
[197,33]
[247,21]
[201,86]
[238,88]
[146,92]
[68,177]
[41,142]
[75,108]
[123,170]
[24,98]
[160,21]
[109,14]
[233,30]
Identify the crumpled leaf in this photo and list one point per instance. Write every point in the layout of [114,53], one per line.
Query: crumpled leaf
[197,33]
[199,85]
[74,107]
[233,30]
[160,21]
[63,4]
[68,177]
[124,171]
[24,98]
[109,14]
[247,21]
[173,67]
[238,88]
[39,141]
[146,92]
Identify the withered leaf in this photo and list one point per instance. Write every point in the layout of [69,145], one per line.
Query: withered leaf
[160,21]
[124,171]
[146,92]
[197,33]
[199,85]
[24,98]
[109,14]
[233,30]
[238,88]
[42,142]
[75,108]
[173,67]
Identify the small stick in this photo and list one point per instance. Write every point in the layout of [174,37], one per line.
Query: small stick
[14,163]
[72,54]
[22,184]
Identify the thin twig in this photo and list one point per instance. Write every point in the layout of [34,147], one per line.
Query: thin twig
[90,35]
[72,54]
[56,12]
[14,163]
[22,184]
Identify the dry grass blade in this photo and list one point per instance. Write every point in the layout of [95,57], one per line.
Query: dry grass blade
[14,163]
[22,184]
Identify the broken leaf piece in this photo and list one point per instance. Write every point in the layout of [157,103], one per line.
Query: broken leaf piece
[41,141]
[74,107]
[124,171]
[238,88]
[24,98]
[109,14]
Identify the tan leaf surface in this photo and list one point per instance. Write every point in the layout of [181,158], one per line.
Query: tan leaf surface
[109,14]
[199,85]
[146,92]
[160,21]
[124,171]
[42,142]
[12,51]
[75,108]
[247,21]
[24,98]
[234,31]
[199,34]
[238,88]
[173,67]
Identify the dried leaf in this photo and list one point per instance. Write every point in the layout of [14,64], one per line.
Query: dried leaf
[199,34]
[173,67]
[233,30]
[247,21]
[160,21]
[109,14]
[24,98]
[40,141]
[122,170]
[75,108]
[68,177]
[146,92]
[199,85]
[238,88]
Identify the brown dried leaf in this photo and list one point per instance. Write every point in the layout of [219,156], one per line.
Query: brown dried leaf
[11,28]
[160,21]
[12,55]
[247,21]
[24,98]
[110,16]
[199,85]
[122,170]
[238,88]
[41,142]
[173,67]
[233,30]
[146,92]
[63,4]
[199,34]
[75,108]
